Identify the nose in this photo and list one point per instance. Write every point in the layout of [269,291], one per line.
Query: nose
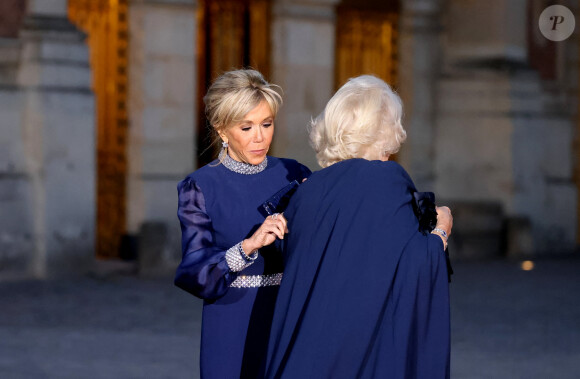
[259,136]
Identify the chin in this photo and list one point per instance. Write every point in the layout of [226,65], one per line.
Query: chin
[256,161]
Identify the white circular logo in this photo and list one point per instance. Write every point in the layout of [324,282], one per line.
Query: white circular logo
[557,23]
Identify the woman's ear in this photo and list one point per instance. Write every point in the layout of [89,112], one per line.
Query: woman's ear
[223,136]
[385,156]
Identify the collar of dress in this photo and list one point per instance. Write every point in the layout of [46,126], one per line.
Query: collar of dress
[244,168]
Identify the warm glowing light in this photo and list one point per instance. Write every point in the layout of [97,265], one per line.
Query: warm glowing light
[527,265]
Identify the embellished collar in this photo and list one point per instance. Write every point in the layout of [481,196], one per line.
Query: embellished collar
[243,168]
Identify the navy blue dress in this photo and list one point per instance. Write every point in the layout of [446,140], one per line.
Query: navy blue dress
[364,293]
[218,208]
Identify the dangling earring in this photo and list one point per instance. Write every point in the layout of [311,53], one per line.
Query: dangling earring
[223,151]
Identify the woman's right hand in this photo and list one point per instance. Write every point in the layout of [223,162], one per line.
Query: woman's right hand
[272,227]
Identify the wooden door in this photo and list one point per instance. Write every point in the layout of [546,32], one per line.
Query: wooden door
[106,24]
[366,40]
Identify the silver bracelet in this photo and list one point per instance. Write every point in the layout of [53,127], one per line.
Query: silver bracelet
[237,258]
[251,257]
[442,232]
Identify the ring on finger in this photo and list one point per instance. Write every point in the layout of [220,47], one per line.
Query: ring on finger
[275,216]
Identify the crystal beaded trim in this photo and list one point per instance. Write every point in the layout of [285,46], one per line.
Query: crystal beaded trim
[241,167]
[237,259]
[252,281]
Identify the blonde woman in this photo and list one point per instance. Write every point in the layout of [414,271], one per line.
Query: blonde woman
[365,292]
[229,258]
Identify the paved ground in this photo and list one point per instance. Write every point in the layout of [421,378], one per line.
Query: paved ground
[507,323]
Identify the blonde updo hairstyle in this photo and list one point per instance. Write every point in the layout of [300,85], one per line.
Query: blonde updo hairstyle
[234,94]
[362,120]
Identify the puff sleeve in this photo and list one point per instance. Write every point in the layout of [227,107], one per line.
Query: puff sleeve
[205,271]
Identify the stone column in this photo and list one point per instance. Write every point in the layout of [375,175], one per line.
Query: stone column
[419,66]
[303,44]
[51,150]
[162,75]
[503,137]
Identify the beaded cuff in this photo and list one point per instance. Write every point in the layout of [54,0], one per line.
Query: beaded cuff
[237,258]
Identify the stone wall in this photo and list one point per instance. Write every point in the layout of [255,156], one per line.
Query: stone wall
[504,136]
[47,175]
[419,67]
[162,110]
[303,65]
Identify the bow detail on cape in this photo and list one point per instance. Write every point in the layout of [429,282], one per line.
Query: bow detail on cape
[424,208]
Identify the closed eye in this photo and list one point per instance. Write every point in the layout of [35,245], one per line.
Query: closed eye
[246,126]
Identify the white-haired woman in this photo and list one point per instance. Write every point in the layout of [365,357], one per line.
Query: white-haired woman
[365,289]
[229,259]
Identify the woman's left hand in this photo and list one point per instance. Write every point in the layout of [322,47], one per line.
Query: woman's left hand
[444,219]
[444,224]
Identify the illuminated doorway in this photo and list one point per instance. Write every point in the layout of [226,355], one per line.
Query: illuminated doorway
[366,40]
[106,24]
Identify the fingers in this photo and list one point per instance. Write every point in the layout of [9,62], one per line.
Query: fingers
[284,222]
[272,227]
[444,219]
[276,225]
[281,220]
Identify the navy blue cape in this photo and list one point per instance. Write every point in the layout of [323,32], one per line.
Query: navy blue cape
[365,293]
